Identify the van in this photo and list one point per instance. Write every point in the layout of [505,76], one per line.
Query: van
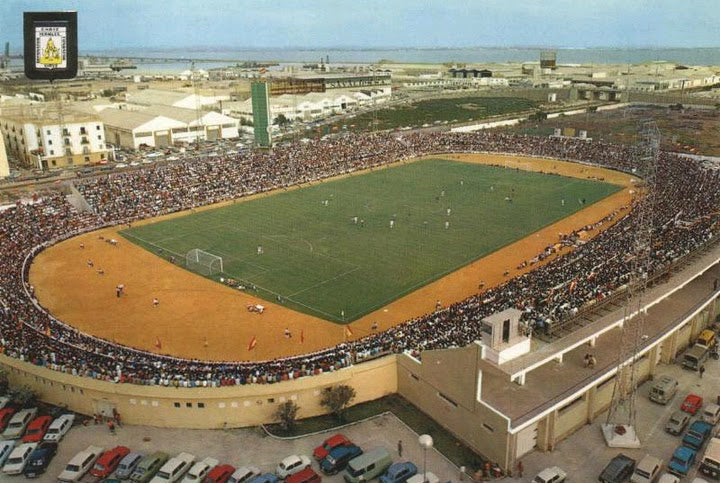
[59,427]
[17,424]
[695,357]
[149,466]
[710,414]
[663,390]
[174,469]
[128,464]
[706,338]
[368,466]
[710,463]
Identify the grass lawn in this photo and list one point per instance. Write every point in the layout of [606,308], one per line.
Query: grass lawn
[320,260]
[430,111]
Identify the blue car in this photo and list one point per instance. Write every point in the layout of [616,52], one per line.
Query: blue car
[40,459]
[697,434]
[682,461]
[338,458]
[399,472]
[267,477]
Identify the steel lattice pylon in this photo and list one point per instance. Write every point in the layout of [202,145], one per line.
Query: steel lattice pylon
[622,412]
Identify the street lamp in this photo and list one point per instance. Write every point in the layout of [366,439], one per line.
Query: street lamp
[426,442]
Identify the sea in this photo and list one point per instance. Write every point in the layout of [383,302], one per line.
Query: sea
[476,55]
[208,58]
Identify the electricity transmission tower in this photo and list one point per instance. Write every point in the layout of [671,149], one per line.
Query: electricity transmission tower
[619,429]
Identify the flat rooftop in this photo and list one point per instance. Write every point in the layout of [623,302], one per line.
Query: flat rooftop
[549,382]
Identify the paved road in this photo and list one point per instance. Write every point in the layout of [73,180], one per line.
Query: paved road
[584,454]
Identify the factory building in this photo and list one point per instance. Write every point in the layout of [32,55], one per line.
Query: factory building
[178,99]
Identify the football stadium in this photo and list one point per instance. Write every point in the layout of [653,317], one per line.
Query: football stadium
[456,269]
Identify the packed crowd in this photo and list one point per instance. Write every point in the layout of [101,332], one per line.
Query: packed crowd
[685,219]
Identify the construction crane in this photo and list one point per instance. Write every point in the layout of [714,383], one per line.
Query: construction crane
[619,429]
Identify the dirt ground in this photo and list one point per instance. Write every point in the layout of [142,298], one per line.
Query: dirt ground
[198,318]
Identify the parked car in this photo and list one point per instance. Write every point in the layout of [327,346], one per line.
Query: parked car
[128,464]
[647,469]
[80,464]
[59,427]
[618,470]
[399,472]
[306,475]
[329,444]
[267,477]
[37,428]
[682,460]
[291,465]
[692,404]
[551,474]
[338,458]
[148,466]
[107,462]
[4,402]
[5,416]
[199,471]
[19,422]
[244,474]
[668,477]
[40,459]
[6,447]
[677,422]
[663,390]
[368,466]
[429,477]
[18,458]
[697,434]
[220,473]
[174,468]
[710,414]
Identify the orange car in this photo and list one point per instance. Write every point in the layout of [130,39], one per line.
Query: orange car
[108,461]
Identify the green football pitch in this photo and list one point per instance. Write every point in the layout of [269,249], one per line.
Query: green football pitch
[329,249]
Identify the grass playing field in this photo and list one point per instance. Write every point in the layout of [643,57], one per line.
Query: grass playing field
[319,259]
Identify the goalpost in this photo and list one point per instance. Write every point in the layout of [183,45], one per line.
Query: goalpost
[203,262]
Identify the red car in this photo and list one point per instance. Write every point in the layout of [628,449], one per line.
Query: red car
[5,415]
[220,473]
[329,444]
[306,475]
[692,404]
[37,428]
[108,461]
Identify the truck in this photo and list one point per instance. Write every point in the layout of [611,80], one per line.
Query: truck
[710,463]
[697,434]
[695,357]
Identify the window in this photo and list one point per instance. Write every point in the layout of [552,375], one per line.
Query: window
[50,142]
[176,404]
[448,400]
[271,400]
[188,405]
[97,126]
[100,137]
[46,132]
[201,405]
[488,427]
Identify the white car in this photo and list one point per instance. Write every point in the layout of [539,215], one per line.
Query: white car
[242,474]
[668,477]
[174,469]
[291,465]
[551,474]
[4,401]
[18,458]
[59,427]
[80,464]
[200,470]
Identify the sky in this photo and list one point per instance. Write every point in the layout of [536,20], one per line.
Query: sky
[106,24]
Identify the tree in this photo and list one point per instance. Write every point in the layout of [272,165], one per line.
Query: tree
[285,414]
[336,399]
[281,120]
[24,397]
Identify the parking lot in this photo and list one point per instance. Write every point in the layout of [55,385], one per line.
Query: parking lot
[584,454]
[243,447]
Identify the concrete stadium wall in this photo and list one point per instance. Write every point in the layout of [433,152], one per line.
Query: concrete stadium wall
[233,406]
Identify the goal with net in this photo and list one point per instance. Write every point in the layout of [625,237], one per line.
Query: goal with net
[203,262]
